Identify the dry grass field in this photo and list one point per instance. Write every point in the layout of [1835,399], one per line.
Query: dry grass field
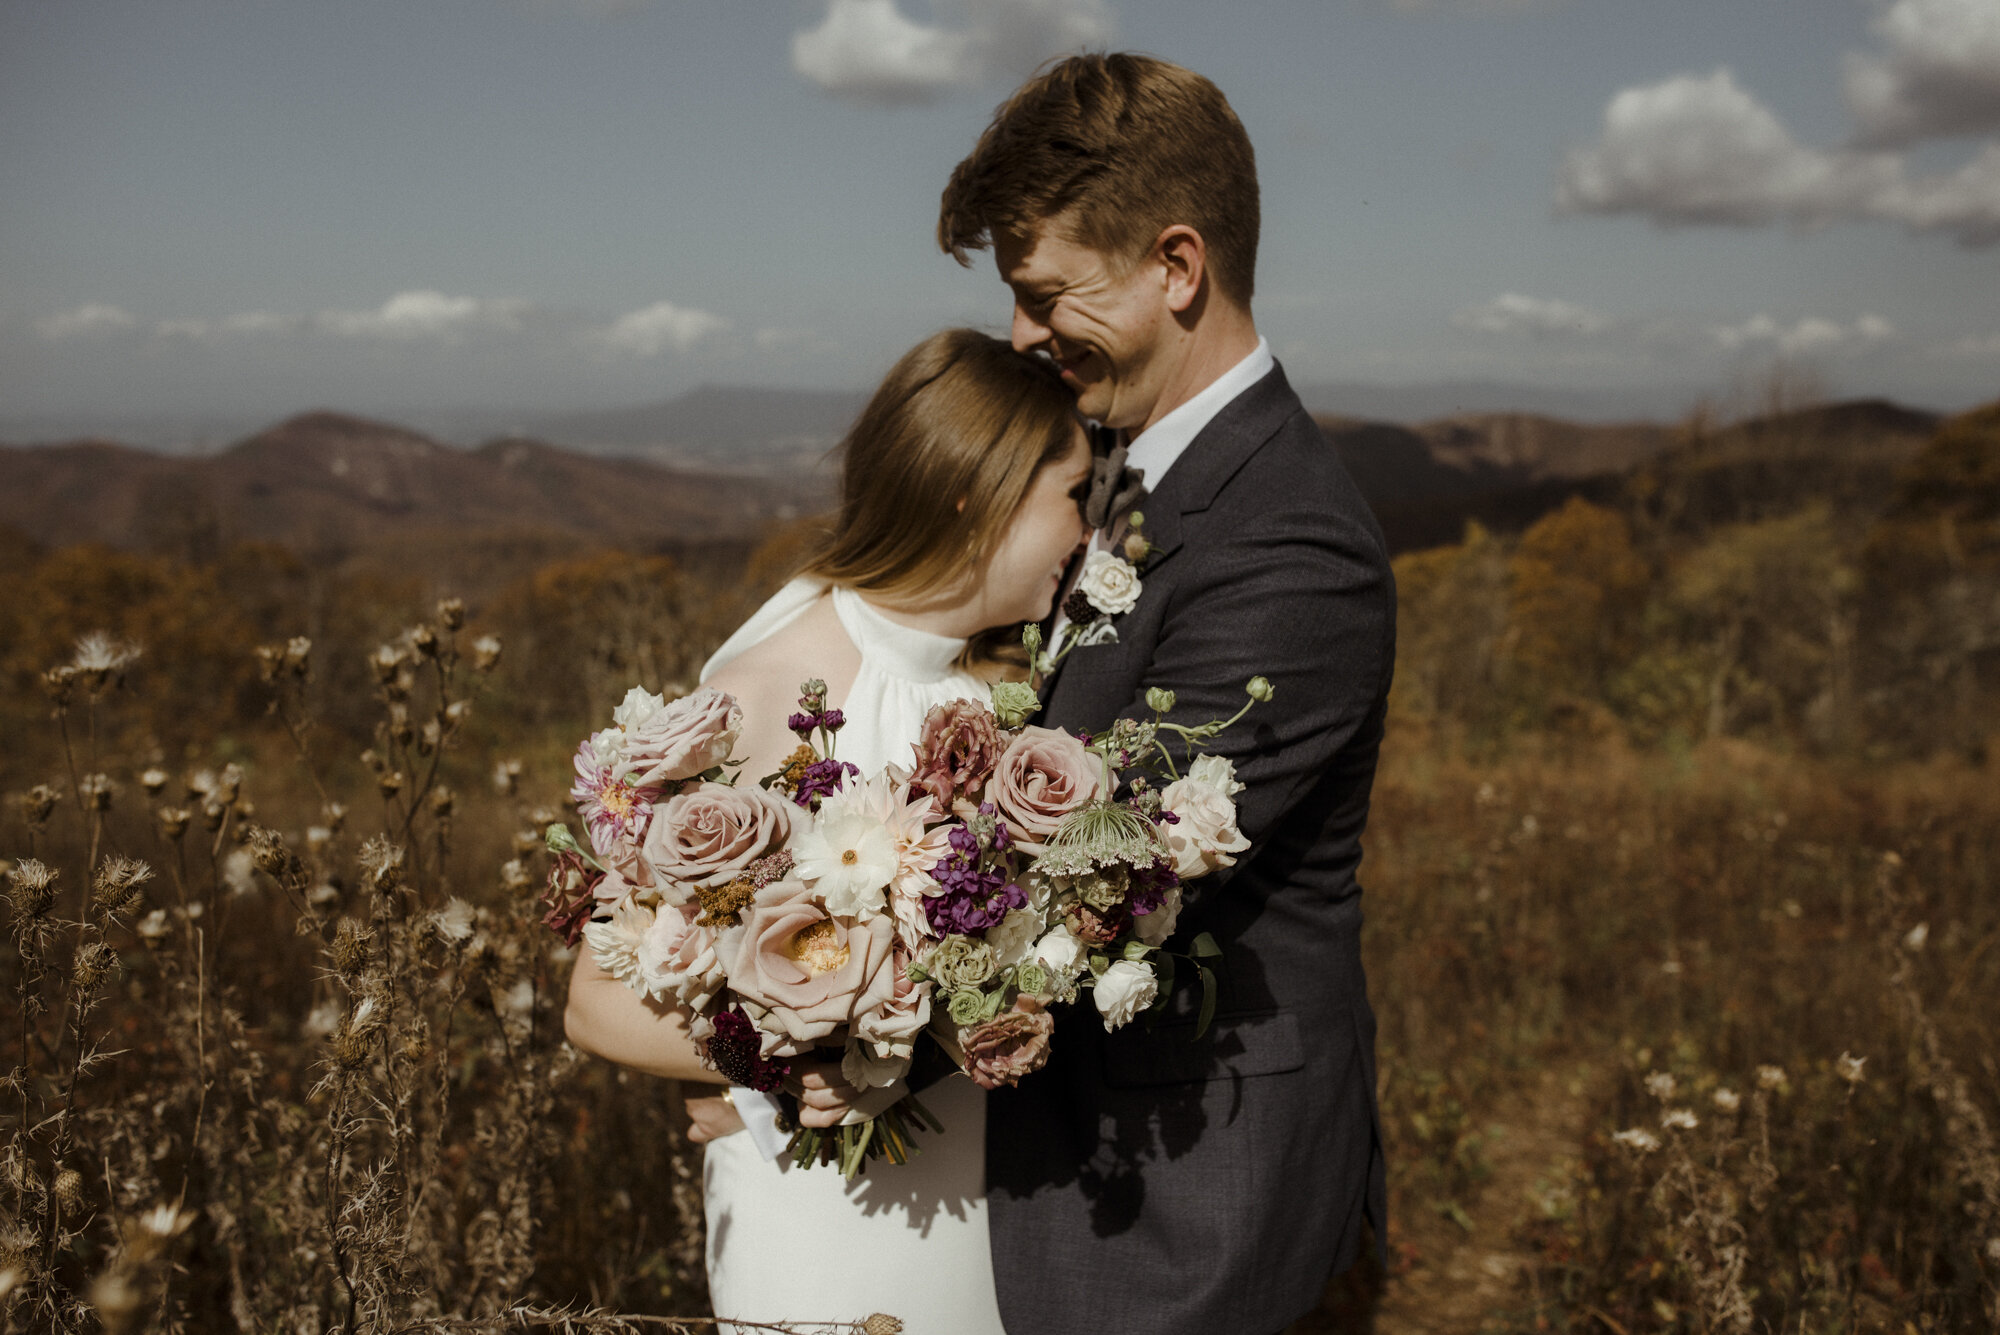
[1684,934]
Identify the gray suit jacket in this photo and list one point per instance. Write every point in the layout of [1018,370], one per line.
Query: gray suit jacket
[1145,1181]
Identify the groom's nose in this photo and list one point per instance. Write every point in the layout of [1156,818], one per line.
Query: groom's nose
[1029,333]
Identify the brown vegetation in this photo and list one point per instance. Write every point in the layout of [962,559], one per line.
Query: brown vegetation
[1663,799]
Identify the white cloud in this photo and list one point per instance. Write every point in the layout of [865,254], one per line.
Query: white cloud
[1972,348]
[423,314]
[869,51]
[1938,75]
[653,329]
[1541,317]
[247,322]
[1812,334]
[1693,150]
[94,318]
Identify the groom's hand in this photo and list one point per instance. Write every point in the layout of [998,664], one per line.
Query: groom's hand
[824,1094]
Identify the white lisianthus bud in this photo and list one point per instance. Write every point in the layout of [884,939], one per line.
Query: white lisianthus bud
[1123,990]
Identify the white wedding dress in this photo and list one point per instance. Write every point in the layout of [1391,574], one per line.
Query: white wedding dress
[791,1244]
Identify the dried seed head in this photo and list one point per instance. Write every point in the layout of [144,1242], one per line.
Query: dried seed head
[350,1049]
[97,791]
[118,882]
[1679,1119]
[382,863]
[349,951]
[60,683]
[201,783]
[298,655]
[323,894]
[485,653]
[451,613]
[228,784]
[424,639]
[153,781]
[526,842]
[384,662]
[416,1046]
[93,962]
[317,839]
[514,875]
[213,813]
[33,888]
[173,821]
[389,782]
[1848,1068]
[270,662]
[1727,1100]
[153,928]
[399,723]
[881,1323]
[432,735]
[1660,1085]
[38,803]
[442,799]
[335,815]
[1637,1138]
[506,775]
[453,923]
[69,1188]
[101,655]
[271,854]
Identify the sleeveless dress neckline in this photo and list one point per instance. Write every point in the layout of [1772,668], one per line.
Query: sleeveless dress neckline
[897,650]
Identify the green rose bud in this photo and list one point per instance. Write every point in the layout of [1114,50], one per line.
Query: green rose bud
[967,1007]
[1013,702]
[1032,978]
[1160,700]
[1137,519]
[959,963]
[559,839]
[1031,640]
[1259,689]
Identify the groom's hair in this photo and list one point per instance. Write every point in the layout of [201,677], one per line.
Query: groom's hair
[1116,148]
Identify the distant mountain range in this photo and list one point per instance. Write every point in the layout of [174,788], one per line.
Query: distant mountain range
[710,468]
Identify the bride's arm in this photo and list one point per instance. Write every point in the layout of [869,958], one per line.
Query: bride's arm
[608,1019]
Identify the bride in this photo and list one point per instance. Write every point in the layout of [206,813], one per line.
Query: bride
[960,508]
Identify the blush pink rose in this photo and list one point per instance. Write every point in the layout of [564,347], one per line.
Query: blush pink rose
[956,753]
[688,737]
[804,974]
[1010,1045]
[710,834]
[1205,836]
[678,957]
[1043,775]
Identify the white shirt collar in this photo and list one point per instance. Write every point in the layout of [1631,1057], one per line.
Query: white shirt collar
[1155,449]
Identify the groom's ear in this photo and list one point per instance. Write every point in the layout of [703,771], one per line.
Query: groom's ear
[1183,260]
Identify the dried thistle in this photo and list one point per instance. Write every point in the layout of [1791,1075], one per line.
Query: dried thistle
[118,882]
[33,888]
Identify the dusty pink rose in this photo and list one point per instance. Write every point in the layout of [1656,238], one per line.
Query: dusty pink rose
[956,753]
[1008,1046]
[885,1037]
[1043,775]
[1205,837]
[803,973]
[678,957]
[710,834]
[688,737]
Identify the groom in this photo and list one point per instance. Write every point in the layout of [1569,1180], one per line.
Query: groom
[1149,1181]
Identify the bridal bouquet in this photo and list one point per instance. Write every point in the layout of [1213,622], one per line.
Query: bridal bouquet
[820,911]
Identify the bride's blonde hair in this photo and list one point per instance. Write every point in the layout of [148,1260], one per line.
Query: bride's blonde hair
[938,462]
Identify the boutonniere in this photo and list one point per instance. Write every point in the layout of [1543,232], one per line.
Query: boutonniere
[1108,587]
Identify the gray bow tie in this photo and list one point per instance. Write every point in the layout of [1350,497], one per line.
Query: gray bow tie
[1114,488]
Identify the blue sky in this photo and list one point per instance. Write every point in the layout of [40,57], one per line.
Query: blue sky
[254,206]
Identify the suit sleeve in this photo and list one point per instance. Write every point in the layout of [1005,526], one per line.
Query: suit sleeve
[1300,594]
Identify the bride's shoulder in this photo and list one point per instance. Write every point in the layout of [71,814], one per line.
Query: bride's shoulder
[765,677]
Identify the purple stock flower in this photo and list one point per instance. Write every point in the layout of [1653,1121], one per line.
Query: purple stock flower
[821,778]
[833,720]
[1149,886]
[801,723]
[974,898]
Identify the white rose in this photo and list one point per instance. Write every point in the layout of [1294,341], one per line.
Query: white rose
[1061,954]
[1155,927]
[1123,990]
[1205,835]
[1218,772]
[1013,937]
[1109,582]
[639,705]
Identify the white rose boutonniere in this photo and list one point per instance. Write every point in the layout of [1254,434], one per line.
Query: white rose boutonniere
[1110,583]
